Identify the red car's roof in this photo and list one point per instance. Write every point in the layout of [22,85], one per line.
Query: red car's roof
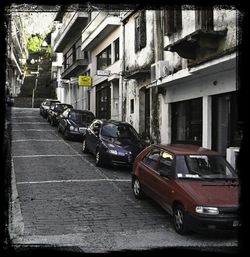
[186,149]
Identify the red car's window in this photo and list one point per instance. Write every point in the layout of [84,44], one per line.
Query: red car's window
[165,162]
[151,158]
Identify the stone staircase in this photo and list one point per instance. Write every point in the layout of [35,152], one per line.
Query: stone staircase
[44,90]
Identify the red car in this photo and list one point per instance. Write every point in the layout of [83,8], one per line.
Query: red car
[197,186]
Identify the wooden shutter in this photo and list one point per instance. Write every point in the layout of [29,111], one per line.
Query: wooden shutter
[137,32]
[205,19]
[169,21]
[177,19]
[142,31]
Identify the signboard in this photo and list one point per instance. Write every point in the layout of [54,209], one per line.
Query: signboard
[102,72]
[85,81]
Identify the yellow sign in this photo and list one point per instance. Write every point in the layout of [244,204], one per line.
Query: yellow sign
[85,81]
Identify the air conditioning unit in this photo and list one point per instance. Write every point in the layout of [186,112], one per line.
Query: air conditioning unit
[232,155]
[160,69]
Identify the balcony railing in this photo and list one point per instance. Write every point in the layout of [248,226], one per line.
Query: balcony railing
[73,23]
[74,62]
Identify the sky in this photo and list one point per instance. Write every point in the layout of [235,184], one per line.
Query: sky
[38,22]
[36,18]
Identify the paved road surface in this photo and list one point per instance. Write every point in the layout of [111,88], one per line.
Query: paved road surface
[61,199]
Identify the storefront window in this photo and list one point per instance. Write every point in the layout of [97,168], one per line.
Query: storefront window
[187,122]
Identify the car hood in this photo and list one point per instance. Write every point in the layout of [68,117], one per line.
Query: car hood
[125,144]
[217,193]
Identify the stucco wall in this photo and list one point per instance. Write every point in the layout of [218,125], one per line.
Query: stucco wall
[144,57]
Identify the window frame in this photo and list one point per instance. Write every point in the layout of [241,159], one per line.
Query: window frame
[116,49]
[101,61]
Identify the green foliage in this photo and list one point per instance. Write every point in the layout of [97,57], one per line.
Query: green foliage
[34,45]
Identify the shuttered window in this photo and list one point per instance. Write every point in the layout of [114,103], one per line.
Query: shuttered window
[172,20]
[140,31]
[204,18]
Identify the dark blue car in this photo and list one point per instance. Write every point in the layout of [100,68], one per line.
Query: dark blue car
[112,142]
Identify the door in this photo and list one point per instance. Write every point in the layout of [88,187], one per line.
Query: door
[148,174]
[103,101]
[165,180]
[225,129]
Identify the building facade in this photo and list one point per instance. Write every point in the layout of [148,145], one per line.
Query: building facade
[171,72]
[199,104]
[16,54]
[66,42]
[102,39]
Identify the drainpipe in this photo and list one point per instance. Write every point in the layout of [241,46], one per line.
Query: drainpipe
[158,48]
[122,86]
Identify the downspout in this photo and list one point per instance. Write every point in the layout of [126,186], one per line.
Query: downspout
[123,103]
[158,48]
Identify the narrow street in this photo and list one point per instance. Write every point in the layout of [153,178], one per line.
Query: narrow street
[60,198]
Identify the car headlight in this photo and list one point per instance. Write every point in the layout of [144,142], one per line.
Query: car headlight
[113,151]
[72,128]
[207,210]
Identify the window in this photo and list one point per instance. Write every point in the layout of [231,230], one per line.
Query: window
[187,122]
[172,20]
[165,162]
[116,48]
[140,31]
[104,58]
[68,59]
[151,158]
[132,106]
[204,18]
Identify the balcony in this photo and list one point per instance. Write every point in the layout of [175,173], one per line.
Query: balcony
[73,24]
[79,63]
[99,28]
[200,41]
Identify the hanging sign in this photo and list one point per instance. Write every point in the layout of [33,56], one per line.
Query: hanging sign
[85,81]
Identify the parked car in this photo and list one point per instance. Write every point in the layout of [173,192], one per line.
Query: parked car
[197,186]
[73,123]
[54,112]
[112,142]
[45,105]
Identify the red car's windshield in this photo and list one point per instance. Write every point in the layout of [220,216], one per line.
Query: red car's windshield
[204,166]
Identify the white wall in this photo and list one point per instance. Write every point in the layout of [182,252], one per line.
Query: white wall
[145,56]
[201,85]
[115,68]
